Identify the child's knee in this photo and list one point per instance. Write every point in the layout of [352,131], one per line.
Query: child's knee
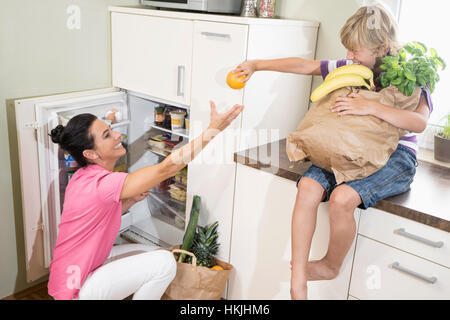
[344,198]
[310,190]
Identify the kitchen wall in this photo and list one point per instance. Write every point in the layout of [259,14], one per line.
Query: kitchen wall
[332,15]
[42,52]
[40,55]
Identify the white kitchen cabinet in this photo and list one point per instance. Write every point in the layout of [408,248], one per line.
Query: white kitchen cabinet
[261,240]
[217,49]
[405,234]
[384,272]
[152,55]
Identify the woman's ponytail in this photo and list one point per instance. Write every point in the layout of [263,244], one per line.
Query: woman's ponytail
[56,134]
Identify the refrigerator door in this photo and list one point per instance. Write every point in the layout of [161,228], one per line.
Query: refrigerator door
[40,164]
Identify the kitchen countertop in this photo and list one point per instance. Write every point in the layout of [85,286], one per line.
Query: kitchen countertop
[426,202]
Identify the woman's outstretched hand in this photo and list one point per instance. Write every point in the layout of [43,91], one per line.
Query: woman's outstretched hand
[219,121]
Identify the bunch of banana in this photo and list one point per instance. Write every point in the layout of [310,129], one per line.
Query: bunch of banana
[352,75]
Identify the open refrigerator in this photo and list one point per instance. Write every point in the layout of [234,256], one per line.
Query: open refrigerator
[46,169]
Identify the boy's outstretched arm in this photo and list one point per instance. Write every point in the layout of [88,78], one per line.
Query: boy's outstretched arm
[287,65]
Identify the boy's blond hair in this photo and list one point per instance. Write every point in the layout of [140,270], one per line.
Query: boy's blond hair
[372,27]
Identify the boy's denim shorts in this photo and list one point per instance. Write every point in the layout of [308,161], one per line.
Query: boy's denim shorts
[392,179]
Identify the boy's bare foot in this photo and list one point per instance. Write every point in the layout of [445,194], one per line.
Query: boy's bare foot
[320,270]
[299,293]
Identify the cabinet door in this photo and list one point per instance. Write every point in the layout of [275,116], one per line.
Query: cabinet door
[261,242]
[276,102]
[218,48]
[152,55]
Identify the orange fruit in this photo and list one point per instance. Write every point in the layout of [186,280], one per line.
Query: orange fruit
[235,82]
[216,267]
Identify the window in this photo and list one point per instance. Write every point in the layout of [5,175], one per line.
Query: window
[428,22]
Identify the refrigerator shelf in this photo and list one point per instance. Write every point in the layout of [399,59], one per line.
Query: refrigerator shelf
[159,153]
[182,132]
[163,198]
[120,124]
[169,219]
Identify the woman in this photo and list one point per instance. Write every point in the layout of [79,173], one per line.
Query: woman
[94,201]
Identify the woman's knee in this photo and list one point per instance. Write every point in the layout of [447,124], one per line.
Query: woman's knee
[168,263]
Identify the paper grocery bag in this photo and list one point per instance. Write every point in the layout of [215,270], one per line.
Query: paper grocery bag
[194,282]
[350,146]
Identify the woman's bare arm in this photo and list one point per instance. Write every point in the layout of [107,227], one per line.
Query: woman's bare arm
[148,177]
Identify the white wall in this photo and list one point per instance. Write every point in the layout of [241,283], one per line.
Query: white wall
[39,55]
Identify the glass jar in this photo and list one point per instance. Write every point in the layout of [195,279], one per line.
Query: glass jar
[248,8]
[267,8]
[159,116]
[167,118]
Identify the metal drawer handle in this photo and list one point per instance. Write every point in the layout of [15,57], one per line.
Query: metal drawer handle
[180,85]
[218,35]
[397,266]
[402,232]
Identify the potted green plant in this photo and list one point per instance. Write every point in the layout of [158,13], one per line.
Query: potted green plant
[442,141]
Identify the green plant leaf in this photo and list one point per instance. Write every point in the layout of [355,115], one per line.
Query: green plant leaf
[441,62]
[396,81]
[401,87]
[433,52]
[420,46]
[409,48]
[384,81]
[410,88]
[389,59]
[409,75]
[395,65]
[391,74]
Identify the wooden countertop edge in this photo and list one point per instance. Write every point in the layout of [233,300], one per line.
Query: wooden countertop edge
[384,205]
[418,216]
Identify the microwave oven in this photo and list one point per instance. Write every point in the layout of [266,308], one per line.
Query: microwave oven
[213,6]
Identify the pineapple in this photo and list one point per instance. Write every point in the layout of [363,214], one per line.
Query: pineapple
[205,244]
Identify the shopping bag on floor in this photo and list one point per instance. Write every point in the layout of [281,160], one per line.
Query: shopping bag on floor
[194,282]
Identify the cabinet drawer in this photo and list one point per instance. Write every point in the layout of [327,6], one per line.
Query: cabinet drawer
[376,274]
[408,235]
